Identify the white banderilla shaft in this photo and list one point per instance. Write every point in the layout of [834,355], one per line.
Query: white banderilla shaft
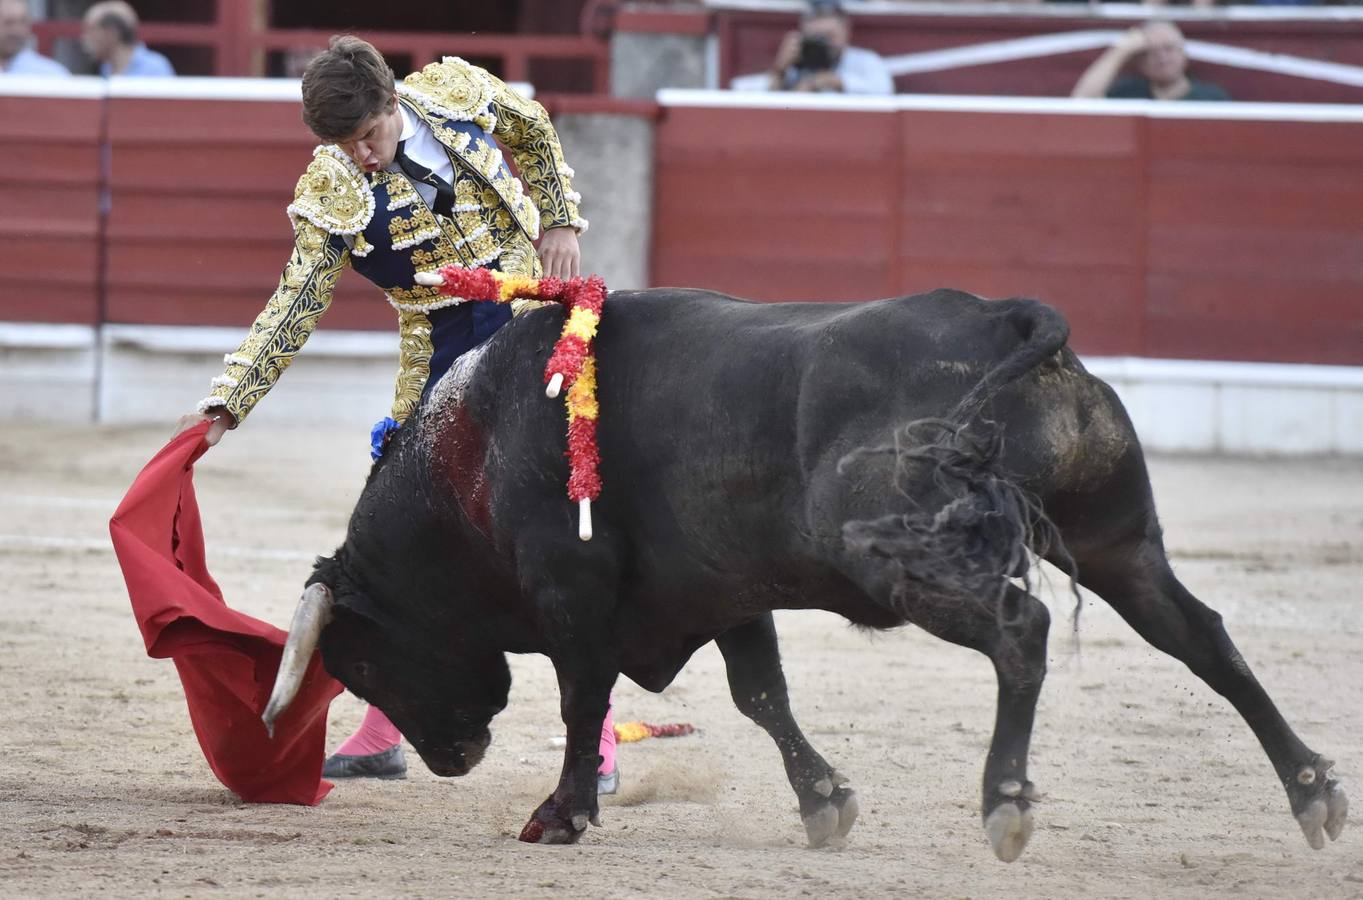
[584,519]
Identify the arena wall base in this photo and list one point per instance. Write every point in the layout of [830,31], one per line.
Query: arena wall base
[153,374]
[1239,408]
[157,373]
[47,373]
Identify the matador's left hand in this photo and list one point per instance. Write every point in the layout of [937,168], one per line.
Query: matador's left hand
[559,253]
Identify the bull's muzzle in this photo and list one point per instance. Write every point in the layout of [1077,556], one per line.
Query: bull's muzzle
[455,759]
[312,615]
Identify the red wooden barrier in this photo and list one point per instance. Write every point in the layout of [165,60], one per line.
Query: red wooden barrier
[1158,236]
[1255,240]
[198,232]
[49,208]
[1046,206]
[1178,238]
[775,206]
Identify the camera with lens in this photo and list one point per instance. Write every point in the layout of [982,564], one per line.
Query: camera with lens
[816,54]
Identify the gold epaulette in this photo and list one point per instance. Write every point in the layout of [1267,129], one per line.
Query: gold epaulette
[333,193]
[454,89]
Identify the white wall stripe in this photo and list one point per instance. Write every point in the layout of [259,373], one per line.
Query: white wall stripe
[1281,63]
[1154,109]
[208,88]
[46,336]
[78,87]
[179,340]
[194,339]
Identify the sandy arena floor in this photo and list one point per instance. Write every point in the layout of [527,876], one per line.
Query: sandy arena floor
[1155,787]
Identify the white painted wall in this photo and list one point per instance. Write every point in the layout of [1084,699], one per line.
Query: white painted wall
[156,373]
[1239,408]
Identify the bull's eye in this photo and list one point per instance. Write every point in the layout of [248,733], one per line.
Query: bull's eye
[362,670]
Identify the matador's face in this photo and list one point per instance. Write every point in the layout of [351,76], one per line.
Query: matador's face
[375,142]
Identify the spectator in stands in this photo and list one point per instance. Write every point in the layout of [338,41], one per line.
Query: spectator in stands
[16,56]
[816,57]
[109,36]
[1157,50]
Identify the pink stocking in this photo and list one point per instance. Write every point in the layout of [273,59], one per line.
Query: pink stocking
[608,741]
[374,735]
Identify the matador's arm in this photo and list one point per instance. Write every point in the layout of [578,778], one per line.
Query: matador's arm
[305,289]
[524,127]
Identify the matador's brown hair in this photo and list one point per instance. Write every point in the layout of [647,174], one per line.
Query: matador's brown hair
[343,86]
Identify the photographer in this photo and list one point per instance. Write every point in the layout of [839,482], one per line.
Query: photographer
[817,58]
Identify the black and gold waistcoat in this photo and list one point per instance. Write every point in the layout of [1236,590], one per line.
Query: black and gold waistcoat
[380,226]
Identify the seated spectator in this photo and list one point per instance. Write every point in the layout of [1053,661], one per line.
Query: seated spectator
[16,32]
[817,57]
[1157,50]
[109,36]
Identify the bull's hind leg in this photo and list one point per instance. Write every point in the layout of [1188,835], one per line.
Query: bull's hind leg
[1012,632]
[1014,639]
[1135,579]
[828,806]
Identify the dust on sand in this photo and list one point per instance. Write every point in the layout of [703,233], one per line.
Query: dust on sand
[1155,787]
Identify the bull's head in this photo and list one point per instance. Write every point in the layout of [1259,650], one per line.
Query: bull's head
[441,694]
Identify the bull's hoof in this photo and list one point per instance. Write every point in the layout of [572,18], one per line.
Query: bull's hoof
[1325,816]
[549,826]
[834,812]
[1009,828]
[1319,802]
[538,831]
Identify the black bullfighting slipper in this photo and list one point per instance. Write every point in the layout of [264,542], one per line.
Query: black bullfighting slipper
[388,764]
[609,783]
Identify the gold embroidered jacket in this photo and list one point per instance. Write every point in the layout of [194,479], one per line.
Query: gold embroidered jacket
[380,226]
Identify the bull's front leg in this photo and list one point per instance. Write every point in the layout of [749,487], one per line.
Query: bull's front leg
[565,814]
[573,586]
[828,805]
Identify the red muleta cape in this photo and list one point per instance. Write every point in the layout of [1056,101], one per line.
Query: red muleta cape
[227,660]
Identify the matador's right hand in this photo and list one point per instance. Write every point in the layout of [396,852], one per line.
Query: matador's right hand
[221,419]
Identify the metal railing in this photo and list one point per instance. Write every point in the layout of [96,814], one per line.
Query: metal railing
[239,49]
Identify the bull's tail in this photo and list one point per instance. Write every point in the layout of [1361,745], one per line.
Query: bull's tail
[1043,332]
[971,526]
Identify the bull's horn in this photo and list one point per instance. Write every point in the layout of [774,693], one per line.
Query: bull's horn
[429,279]
[314,612]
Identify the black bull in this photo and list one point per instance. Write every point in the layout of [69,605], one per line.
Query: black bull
[729,440]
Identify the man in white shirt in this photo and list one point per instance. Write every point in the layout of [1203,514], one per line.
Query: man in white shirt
[817,58]
[16,57]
